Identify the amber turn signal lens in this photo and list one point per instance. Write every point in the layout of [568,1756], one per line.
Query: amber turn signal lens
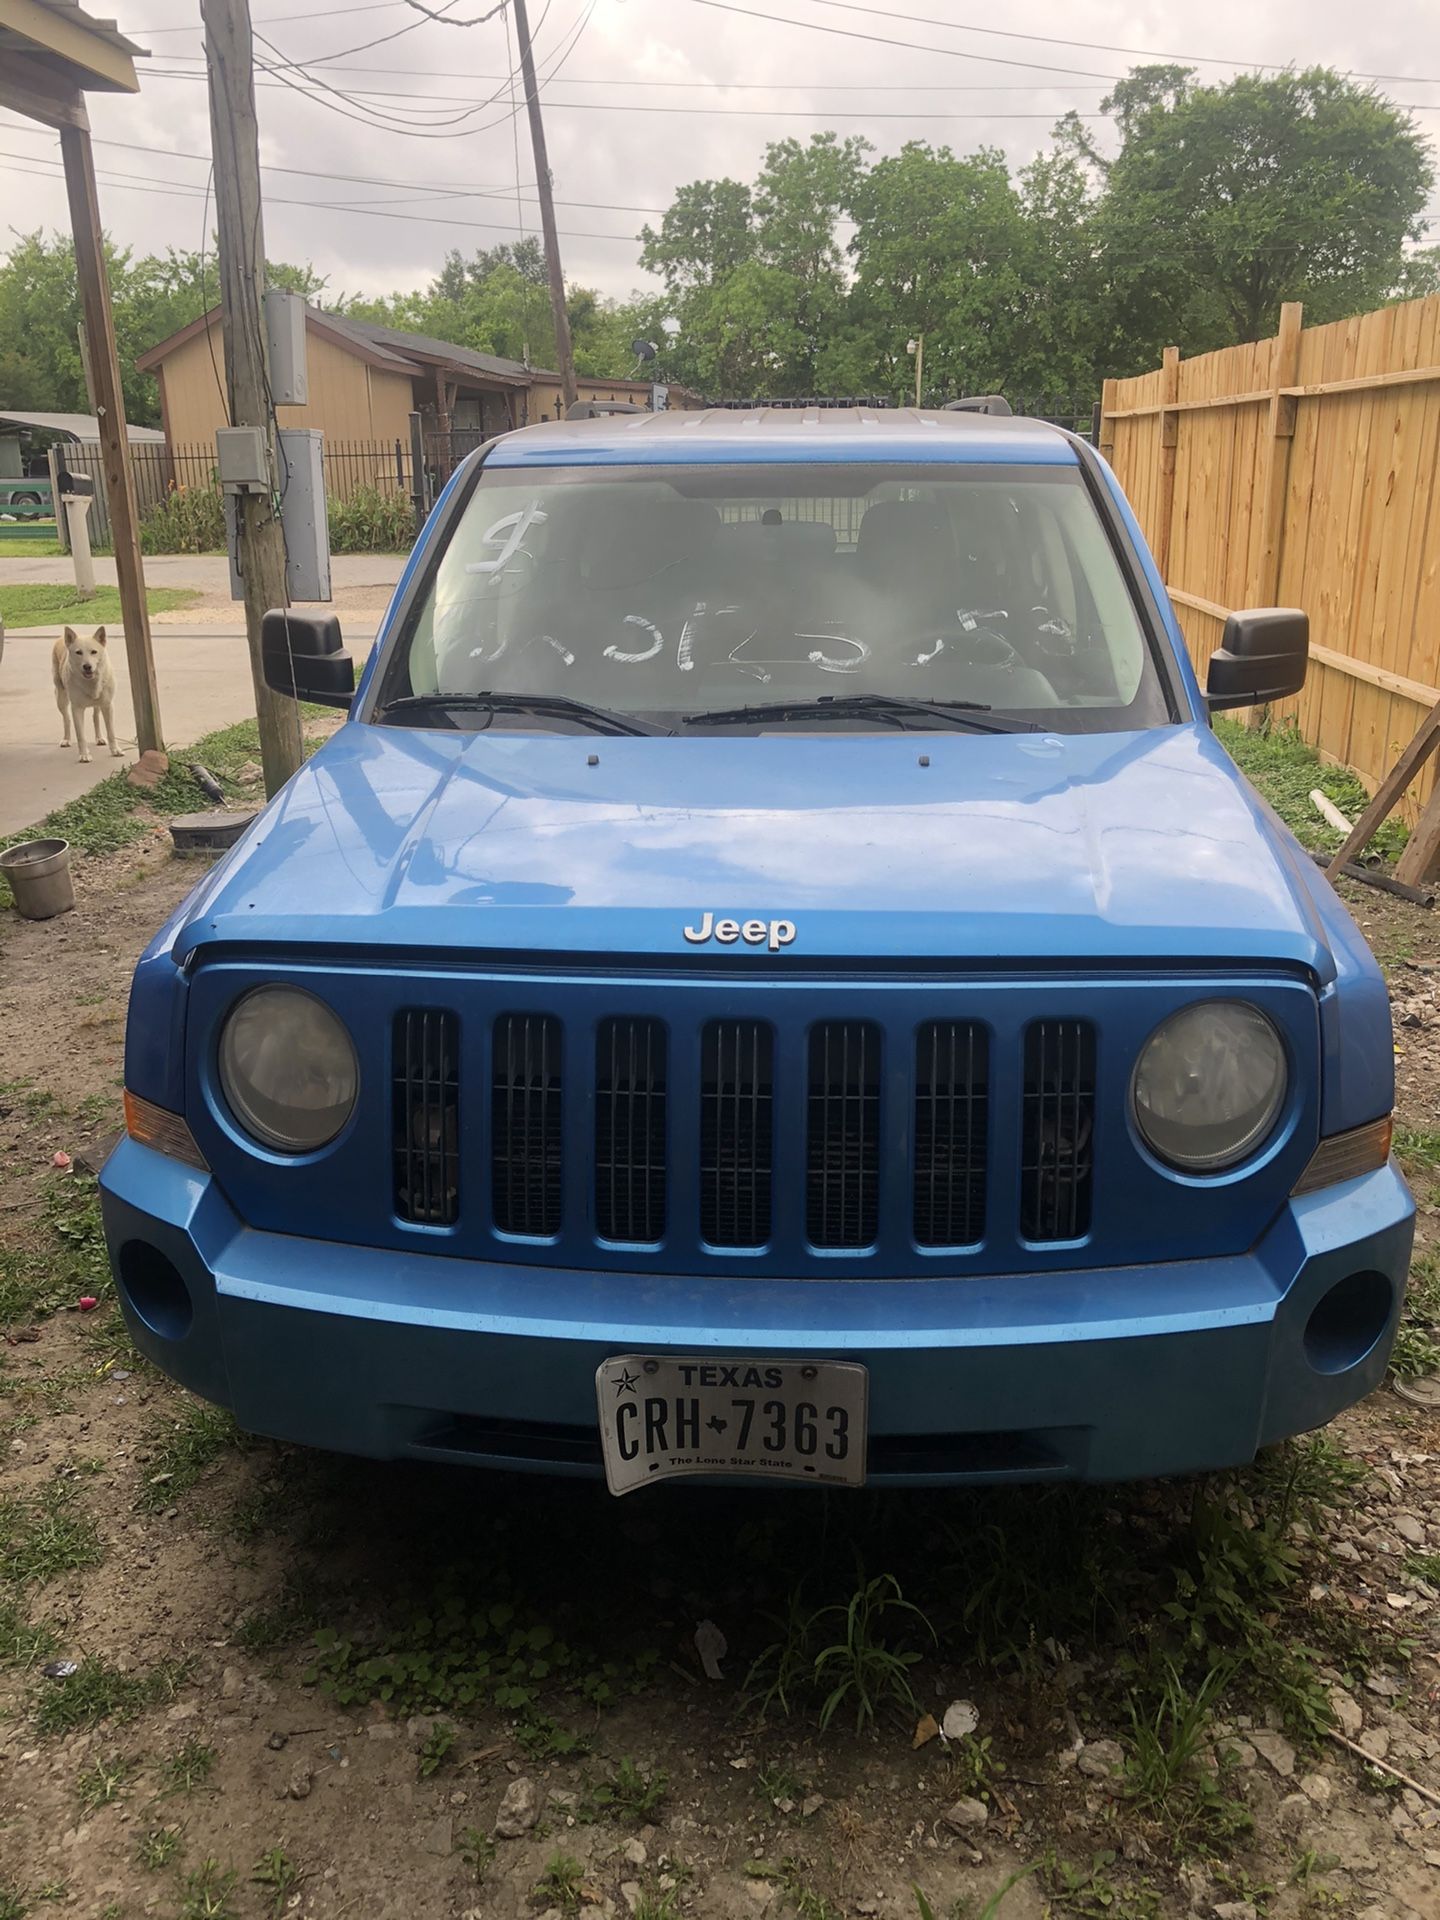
[1344,1156]
[162,1130]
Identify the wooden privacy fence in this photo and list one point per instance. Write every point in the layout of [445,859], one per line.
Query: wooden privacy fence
[1302,471]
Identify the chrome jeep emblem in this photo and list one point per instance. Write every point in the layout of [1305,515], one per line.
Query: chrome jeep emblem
[773,934]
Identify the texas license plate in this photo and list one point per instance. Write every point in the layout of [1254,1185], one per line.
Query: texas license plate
[666,1417]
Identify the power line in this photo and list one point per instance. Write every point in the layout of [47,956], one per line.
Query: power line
[440,189]
[275,19]
[914,46]
[358,96]
[1092,46]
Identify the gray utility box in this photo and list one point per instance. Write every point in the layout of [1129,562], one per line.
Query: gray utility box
[302,515]
[285,348]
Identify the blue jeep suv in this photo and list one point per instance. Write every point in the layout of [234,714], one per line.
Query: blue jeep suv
[775,978]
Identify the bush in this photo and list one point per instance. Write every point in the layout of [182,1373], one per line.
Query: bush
[372,520]
[187,520]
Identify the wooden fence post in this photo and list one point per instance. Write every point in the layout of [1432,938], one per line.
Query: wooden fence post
[1285,373]
[1169,438]
[1106,434]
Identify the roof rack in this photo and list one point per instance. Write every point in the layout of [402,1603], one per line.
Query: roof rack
[806,401]
[995,403]
[600,409]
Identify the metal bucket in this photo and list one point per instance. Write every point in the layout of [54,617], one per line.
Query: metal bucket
[39,876]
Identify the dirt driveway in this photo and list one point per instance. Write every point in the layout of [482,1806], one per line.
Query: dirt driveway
[311,1685]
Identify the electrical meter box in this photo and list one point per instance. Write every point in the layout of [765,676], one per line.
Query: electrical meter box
[285,348]
[302,517]
[241,458]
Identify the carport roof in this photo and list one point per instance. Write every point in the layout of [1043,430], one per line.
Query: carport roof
[74,426]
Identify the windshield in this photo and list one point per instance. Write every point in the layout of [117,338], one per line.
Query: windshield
[668,594]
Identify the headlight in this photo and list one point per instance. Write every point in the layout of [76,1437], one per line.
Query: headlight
[1209,1084]
[288,1069]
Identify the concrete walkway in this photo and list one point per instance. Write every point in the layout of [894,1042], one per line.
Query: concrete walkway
[204,680]
[207,573]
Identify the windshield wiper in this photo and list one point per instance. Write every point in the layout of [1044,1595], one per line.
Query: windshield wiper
[878,706]
[559,705]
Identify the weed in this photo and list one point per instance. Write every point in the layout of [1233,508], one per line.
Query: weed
[14,1905]
[159,1847]
[1089,1892]
[45,1536]
[779,1786]
[962,1909]
[661,1905]
[1163,1775]
[545,1739]
[187,1768]
[436,1749]
[974,1768]
[1417,1343]
[104,1782]
[207,1892]
[184,1450]
[862,1669]
[277,1873]
[22,1642]
[1424,1566]
[628,1795]
[477,1850]
[561,1885]
[806,1901]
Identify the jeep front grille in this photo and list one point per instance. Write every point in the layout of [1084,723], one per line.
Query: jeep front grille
[425,1114]
[636,1131]
[525,1107]
[842,1135]
[737,1096]
[951,1125]
[630,1130]
[1058,1128]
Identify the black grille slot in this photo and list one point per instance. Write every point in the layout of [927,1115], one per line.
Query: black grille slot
[951,1089]
[525,1117]
[842,1159]
[1058,1130]
[737,1114]
[425,1116]
[630,1130]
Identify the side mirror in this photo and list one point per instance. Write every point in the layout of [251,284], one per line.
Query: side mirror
[1263,656]
[303,657]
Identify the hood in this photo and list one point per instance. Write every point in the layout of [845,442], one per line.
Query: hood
[886,846]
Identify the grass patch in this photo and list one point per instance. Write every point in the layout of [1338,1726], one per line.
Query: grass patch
[23,1642]
[1282,767]
[628,1796]
[45,1536]
[53,606]
[38,1281]
[104,1782]
[188,1767]
[97,1691]
[39,546]
[159,1847]
[561,1885]
[1417,1342]
[183,1451]
[855,1654]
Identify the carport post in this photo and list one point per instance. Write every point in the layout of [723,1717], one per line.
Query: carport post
[110,412]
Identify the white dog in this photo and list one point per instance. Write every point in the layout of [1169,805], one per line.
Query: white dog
[85,683]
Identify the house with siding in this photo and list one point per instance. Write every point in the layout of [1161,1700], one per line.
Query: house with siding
[365,381]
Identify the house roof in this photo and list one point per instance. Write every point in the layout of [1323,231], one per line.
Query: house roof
[74,426]
[72,46]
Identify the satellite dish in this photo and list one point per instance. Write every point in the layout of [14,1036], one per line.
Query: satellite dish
[643,349]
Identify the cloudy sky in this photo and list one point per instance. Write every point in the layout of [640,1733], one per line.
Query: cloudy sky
[380,157]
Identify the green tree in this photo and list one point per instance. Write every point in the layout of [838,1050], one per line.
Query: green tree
[1226,200]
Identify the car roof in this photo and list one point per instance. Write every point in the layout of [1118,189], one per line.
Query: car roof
[802,435]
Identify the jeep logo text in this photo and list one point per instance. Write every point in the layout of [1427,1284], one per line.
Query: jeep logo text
[755,933]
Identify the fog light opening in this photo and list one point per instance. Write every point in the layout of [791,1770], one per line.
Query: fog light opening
[155,1291]
[1348,1321]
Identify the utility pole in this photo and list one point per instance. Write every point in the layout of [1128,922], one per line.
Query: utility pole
[564,353]
[235,147]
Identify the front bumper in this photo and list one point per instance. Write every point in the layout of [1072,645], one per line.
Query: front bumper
[1098,1374]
